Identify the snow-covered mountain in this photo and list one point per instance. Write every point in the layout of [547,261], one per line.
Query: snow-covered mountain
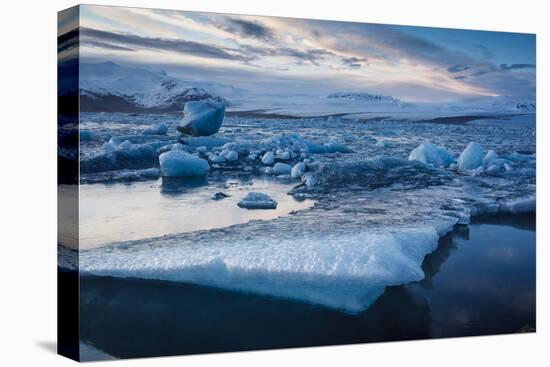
[515,106]
[365,97]
[110,87]
[114,88]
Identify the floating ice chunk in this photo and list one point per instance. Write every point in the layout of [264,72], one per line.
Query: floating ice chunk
[431,154]
[229,155]
[177,163]
[214,158]
[282,154]
[281,169]
[471,157]
[202,118]
[257,200]
[489,158]
[156,129]
[298,170]
[218,196]
[268,159]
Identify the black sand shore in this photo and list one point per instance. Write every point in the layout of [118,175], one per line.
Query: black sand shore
[479,281]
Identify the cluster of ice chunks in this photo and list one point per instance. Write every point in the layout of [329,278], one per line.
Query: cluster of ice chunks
[121,153]
[287,155]
[472,159]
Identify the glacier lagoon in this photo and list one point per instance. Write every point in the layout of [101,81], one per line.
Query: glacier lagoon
[479,281]
[362,218]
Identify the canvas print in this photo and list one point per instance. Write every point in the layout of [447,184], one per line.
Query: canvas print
[237,182]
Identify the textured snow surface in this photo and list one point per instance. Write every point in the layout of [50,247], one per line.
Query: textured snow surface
[347,272]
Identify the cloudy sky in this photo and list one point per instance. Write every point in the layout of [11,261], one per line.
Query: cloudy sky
[270,54]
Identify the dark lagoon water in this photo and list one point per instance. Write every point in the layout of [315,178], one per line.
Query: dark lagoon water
[479,281]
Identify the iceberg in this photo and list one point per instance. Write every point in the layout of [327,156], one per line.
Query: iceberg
[202,118]
[471,157]
[257,200]
[177,163]
[431,154]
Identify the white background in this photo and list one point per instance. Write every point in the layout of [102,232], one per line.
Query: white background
[28,183]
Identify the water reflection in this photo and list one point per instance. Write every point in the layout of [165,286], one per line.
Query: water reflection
[125,212]
[466,292]
[174,186]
